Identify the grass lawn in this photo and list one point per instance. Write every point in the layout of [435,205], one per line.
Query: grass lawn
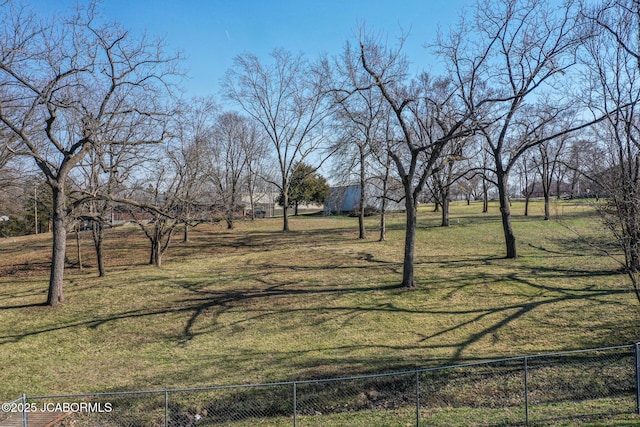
[257,305]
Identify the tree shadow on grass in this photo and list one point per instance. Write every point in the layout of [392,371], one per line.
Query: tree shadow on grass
[320,362]
[218,303]
[21,306]
[509,313]
[203,300]
[201,303]
[26,268]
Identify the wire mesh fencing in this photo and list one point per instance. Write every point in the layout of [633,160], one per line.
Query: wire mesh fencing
[12,409]
[565,388]
[583,384]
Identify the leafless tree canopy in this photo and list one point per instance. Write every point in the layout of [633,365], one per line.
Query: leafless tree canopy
[289,101]
[511,63]
[613,65]
[69,86]
[427,118]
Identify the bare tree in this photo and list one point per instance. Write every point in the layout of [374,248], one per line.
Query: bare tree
[450,170]
[153,212]
[14,178]
[62,83]
[360,118]
[288,99]
[104,173]
[228,148]
[7,147]
[578,161]
[486,179]
[468,185]
[257,163]
[526,169]
[103,179]
[382,179]
[424,111]
[161,200]
[193,129]
[511,57]
[549,169]
[613,58]
[8,174]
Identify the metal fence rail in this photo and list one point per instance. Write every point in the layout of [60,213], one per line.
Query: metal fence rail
[531,390]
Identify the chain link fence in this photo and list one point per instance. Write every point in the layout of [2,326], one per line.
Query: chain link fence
[560,388]
[11,410]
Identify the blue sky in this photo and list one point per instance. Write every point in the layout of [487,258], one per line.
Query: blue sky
[211,33]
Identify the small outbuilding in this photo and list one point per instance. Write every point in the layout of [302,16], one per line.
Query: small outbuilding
[346,199]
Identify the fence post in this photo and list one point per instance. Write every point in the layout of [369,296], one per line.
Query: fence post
[526,390]
[295,405]
[636,353]
[24,410]
[417,398]
[166,408]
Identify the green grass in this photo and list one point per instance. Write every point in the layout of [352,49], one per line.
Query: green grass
[258,305]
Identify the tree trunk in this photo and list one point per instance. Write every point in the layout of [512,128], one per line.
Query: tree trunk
[485,196]
[635,282]
[546,187]
[285,211]
[229,214]
[59,246]
[155,257]
[97,233]
[628,213]
[153,252]
[505,212]
[78,251]
[634,256]
[383,207]
[252,204]
[409,244]
[185,235]
[445,211]
[157,262]
[633,240]
[526,204]
[155,244]
[35,208]
[361,230]
[547,207]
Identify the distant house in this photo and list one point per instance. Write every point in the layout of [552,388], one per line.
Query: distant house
[557,189]
[346,199]
[264,200]
[267,201]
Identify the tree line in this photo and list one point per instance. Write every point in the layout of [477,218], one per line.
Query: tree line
[530,94]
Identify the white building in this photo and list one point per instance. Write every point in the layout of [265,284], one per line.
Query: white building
[346,198]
